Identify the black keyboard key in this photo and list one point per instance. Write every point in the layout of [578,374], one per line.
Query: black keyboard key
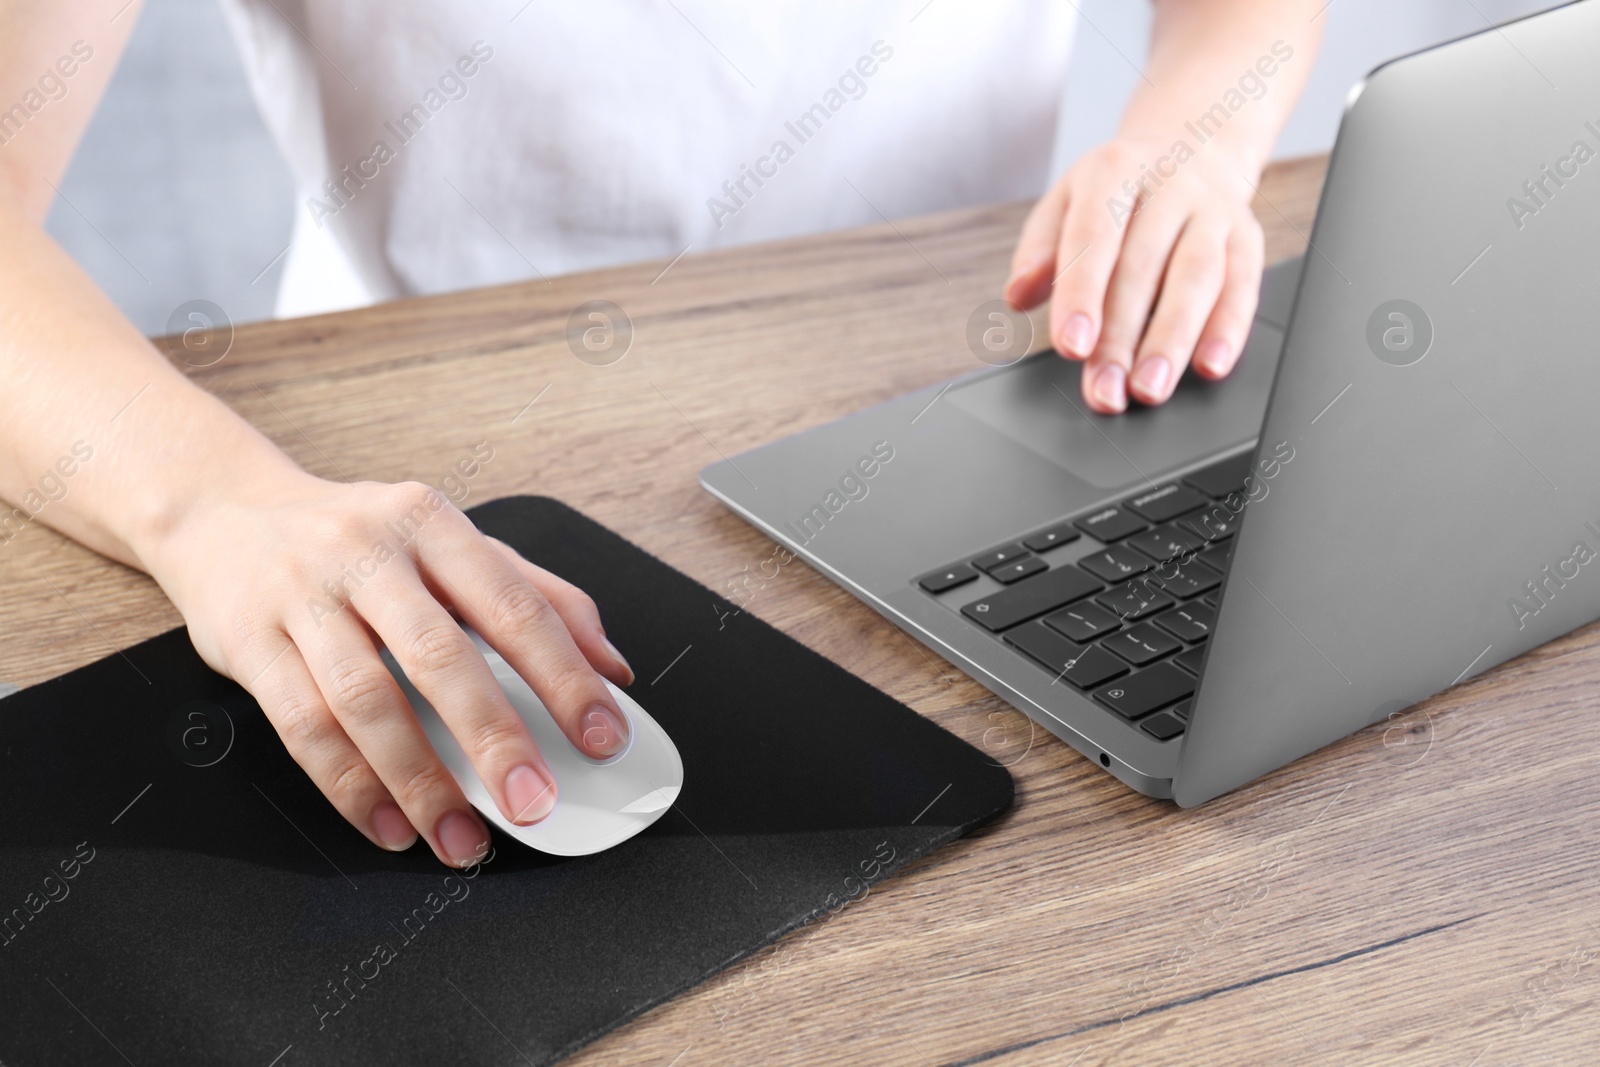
[947,578]
[1182,710]
[1110,524]
[1163,727]
[1083,622]
[1190,660]
[1166,542]
[1220,479]
[1184,582]
[1148,690]
[1216,523]
[1216,557]
[1041,643]
[1210,601]
[1165,502]
[1084,667]
[1191,622]
[1142,644]
[1135,601]
[999,557]
[1116,563]
[1026,567]
[1032,598]
[1094,667]
[1045,540]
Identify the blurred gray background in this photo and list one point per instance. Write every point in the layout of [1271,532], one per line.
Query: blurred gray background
[178,192]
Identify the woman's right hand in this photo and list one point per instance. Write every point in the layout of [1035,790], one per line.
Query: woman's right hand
[291,587]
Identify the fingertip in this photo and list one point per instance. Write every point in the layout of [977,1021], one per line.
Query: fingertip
[604,731]
[462,838]
[530,794]
[1152,380]
[1023,289]
[390,827]
[1214,358]
[1076,337]
[619,663]
[1106,389]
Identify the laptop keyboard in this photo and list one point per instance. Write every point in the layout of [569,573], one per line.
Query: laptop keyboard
[1125,621]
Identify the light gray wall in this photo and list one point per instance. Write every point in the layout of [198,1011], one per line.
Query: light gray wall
[178,193]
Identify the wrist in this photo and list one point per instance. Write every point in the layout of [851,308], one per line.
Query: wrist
[177,518]
[1237,157]
[1246,155]
[1244,150]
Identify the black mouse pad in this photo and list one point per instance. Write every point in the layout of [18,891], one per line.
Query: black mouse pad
[174,890]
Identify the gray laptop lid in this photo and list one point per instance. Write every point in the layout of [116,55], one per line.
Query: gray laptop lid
[1440,512]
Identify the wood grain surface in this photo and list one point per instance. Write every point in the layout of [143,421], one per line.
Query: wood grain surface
[1424,892]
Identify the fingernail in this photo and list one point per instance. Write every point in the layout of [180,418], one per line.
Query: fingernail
[393,830]
[529,793]
[1109,387]
[461,837]
[603,732]
[623,663]
[1214,356]
[1020,275]
[1076,335]
[1151,378]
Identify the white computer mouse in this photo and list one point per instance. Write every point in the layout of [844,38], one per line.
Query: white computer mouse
[599,803]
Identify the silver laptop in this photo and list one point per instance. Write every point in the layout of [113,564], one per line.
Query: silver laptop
[1398,488]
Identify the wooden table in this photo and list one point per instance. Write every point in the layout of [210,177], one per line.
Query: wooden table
[1422,892]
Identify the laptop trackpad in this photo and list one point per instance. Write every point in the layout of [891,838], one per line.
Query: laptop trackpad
[1038,404]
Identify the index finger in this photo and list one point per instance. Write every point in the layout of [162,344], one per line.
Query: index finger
[442,662]
[1091,241]
[519,622]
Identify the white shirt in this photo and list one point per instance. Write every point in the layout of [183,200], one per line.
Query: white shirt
[441,146]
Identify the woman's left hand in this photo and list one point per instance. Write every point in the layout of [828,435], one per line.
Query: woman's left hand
[1142,281]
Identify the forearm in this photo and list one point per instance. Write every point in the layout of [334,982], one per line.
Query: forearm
[100,436]
[1225,73]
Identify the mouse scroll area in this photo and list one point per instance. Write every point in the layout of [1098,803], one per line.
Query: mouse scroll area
[599,803]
